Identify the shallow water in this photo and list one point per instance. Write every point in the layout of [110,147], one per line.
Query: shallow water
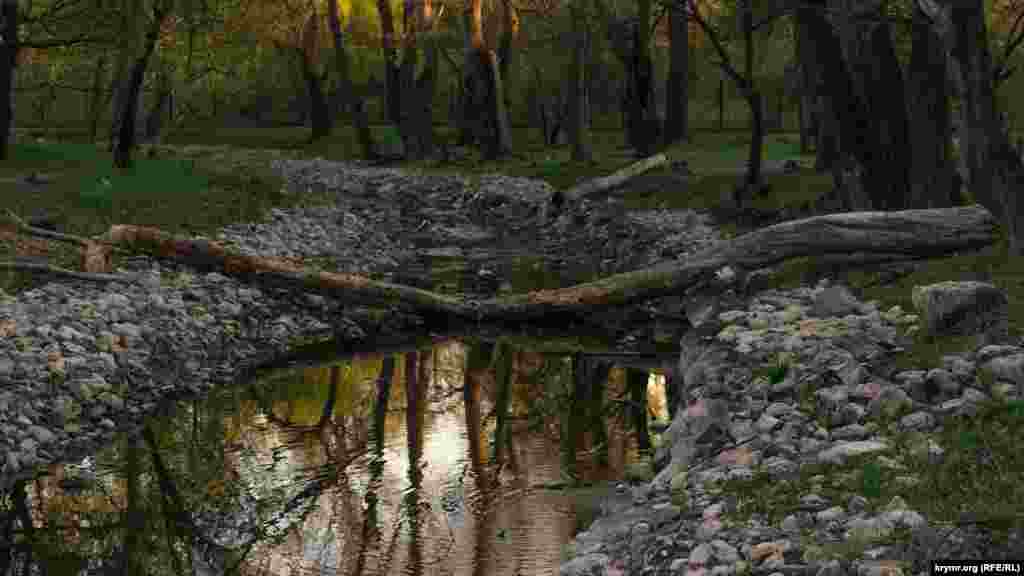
[288,474]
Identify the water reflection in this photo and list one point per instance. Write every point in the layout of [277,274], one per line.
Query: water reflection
[449,460]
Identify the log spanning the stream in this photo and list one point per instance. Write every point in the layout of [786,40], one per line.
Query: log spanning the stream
[861,236]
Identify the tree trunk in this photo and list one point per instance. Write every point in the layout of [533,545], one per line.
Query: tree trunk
[407,81]
[319,110]
[319,107]
[392,78]
[155,117]
[881,144]
[995,171]
[721,104]
[96,98]
[643,133]
[677,97]
[8,63]
[417,127]
[808,75]
[507,54]
[752,183]
[129,105]
[484,100]
[843,117]
[352,101]
[931,169]
[864,236]
[579,133]
[887,168]
[827,139]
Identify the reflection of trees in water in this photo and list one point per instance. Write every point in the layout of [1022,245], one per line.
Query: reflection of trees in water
[218,481]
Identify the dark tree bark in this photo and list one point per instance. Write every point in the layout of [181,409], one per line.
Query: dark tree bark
[484,113]
[752,180]
[507,54]
[96,98]
[843,115]
[392,75]
[319,108]
[995,171]
[803,82]
[931,169]
[351,100]
[753,183]
[8,62]
[129,104]
[887,169]
[579,134]
[155,117]
[417,126]
[879,142]
[677,96]
[643,130]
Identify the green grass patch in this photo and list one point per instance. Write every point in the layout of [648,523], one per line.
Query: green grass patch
[85,195]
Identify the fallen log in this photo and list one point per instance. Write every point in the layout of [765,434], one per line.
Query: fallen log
[616,179]
[914,234]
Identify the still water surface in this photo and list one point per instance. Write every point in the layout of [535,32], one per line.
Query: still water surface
[371,465]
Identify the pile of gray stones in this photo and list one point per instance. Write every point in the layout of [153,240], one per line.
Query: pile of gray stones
[733,423]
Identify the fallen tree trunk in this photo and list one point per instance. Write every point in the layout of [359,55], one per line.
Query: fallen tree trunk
[914,234]
[616,179]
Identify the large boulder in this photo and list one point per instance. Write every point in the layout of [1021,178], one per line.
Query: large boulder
[964,309]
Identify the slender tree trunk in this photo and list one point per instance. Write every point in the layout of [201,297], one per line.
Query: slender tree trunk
[392,79]
[407,82]
[643,130]
[507,54]
[129,106]
[8,62]
[931,169]
[808,75]
[579,133]
[752,183]
[677,97]
[155,117]
[96,99]
[319,108]
[484,99]
[352,101]
[426,83]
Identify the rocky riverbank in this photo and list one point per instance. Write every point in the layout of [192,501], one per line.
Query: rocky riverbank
[80,360]
[786,437]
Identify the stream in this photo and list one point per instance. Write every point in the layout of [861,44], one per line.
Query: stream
[474,454]
[375,464]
